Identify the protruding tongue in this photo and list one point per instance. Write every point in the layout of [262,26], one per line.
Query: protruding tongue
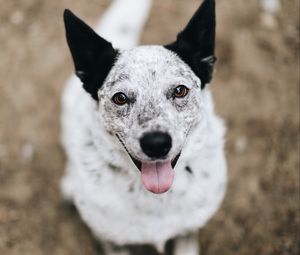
[157,177]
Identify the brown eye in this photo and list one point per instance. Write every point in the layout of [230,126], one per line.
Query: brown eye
[120,98]
[180,91]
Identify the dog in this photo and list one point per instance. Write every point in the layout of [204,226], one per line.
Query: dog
[145,149]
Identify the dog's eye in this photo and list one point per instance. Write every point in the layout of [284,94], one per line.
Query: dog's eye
[180,91]
[120,98]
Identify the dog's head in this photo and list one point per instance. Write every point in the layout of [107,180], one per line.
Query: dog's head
[149,97]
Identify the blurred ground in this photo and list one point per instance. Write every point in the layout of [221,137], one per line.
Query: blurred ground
[256,88]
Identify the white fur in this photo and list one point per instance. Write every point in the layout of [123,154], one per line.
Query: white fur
[123,22]
[114,204]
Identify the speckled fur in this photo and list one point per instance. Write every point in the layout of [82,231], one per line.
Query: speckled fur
[101,179]
[157,71]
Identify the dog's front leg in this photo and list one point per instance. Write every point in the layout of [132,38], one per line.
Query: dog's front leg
[187,245]
[111,249]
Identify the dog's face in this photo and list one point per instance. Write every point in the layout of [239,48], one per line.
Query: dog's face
[150,90]
[149,97]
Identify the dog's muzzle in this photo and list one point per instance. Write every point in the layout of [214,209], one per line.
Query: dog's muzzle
[157,174]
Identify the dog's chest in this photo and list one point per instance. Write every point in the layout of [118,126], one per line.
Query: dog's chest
[126,213]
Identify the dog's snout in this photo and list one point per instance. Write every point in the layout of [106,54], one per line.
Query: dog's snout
[156,144]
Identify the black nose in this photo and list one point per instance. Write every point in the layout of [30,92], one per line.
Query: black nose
[156,144]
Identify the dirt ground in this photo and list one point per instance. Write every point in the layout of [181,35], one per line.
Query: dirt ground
[256,89]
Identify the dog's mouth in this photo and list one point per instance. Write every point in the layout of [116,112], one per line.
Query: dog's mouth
[157,175]
[139,163]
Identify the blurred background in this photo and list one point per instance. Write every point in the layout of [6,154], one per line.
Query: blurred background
[256,90]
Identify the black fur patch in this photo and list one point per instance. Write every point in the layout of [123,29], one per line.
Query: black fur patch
[93,56]
[196,43]
[188,169]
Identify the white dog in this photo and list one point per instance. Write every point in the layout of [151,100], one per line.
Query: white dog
[145,149]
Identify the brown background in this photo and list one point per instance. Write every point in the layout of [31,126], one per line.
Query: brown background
[255,89]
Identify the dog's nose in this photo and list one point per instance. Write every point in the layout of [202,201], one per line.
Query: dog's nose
[156,144]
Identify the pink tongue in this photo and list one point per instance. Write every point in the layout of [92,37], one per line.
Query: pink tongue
[157,177]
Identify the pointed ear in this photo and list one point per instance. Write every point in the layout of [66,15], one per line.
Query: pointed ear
[196,43]
[92,55]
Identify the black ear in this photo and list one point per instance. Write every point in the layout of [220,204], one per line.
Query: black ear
[92,55]
[196,43]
